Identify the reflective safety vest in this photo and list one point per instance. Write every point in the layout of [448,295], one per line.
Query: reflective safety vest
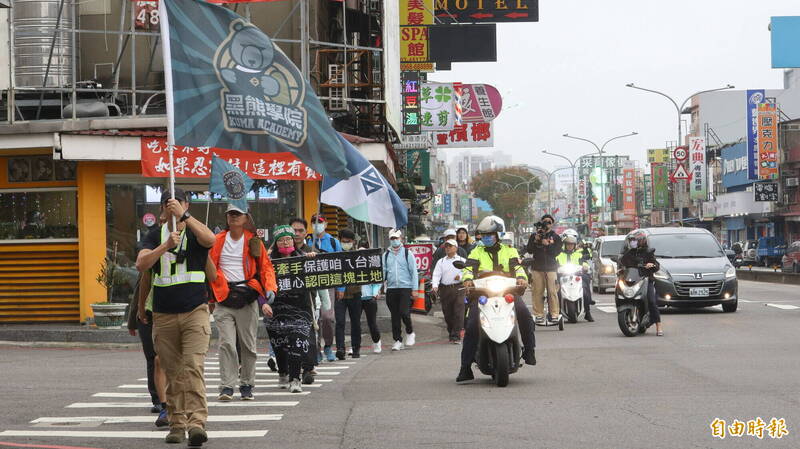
[505,254]
[172,273]
[574,258]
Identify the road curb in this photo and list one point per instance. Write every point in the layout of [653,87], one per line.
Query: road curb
[768,276]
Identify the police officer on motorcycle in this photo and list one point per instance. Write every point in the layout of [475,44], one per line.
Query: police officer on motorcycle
[571,255]
[492,255]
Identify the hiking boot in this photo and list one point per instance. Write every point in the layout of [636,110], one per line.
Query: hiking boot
[197,436]
[163,419]
[175,436]
[156,408]
[247,392]
[340,354]
[226,394]
[465,375]
[294,386]
[308,378]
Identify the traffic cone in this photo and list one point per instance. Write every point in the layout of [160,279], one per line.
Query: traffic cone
[418,298]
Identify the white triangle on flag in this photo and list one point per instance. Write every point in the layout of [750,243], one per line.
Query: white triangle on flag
[680,172]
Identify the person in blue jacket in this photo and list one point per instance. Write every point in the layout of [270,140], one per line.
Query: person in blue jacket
[400,274]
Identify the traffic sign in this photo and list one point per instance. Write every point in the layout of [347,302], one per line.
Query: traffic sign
[680,173]
[680,153]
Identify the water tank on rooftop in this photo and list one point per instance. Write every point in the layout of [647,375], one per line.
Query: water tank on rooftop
[34,26]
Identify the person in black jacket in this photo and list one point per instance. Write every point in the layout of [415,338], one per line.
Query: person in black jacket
[545,245]
[449,234]
[638,252]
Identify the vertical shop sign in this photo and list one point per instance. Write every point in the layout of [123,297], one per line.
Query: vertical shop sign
[697,167]
[660,190]
[754,98]
[411,103]
[629,189]
[767,141]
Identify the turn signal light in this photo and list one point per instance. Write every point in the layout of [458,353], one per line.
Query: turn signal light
[509,298]
[577,278]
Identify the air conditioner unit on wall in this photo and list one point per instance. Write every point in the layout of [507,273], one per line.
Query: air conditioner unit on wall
[792,182]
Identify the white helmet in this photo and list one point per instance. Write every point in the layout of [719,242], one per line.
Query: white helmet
[490,225]
[570,232]
[570,239]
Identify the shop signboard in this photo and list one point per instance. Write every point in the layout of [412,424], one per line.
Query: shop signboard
[423,256]
[765,191]
[629,188]
[657,156]
[480,102]
[767,141]
[698,169]
[411,103]
[448,203]
[437,103]
[479,11]
[648,191]
[660,187]
[468,135]
[195,162]
[754,98]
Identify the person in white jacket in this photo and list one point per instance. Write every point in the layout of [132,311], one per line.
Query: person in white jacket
[446,283]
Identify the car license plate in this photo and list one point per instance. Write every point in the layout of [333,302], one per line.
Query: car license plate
[698,292]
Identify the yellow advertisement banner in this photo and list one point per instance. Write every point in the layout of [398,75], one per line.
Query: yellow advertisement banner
[658,156]
[414,44]
[416,12]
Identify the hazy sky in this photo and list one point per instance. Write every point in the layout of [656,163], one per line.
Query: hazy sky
[567,73]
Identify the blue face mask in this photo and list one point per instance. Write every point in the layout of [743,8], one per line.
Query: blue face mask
[395,243]
[488,240]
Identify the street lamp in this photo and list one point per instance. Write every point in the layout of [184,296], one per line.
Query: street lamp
[526,183]
[600,151]
[679,109]
[572,165]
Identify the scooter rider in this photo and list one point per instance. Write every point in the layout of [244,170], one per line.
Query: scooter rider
[573,256]
[586,256]
[637,252]
[494,256]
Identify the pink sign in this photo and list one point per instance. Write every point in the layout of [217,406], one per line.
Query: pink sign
[480,102]
[423,254]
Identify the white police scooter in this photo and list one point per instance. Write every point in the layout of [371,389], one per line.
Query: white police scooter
[499,348]
[571,291]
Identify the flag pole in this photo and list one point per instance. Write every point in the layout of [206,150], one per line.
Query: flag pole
[167,54]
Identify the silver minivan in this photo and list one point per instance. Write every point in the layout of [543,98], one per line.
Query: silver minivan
[605,254]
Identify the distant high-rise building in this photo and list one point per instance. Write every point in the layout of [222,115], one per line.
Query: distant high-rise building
[467,166]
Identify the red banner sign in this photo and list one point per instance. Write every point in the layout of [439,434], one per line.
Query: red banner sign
[195,162]
[423,254]
[629,190]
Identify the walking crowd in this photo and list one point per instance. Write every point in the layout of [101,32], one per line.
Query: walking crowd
[188,274]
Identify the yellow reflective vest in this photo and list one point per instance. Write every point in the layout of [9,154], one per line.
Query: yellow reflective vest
[504,256]
[573,257]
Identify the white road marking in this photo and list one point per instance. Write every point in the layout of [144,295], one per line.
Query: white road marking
[214,386]
[147,395]
[783,306]
[608,309]
[149,419]
[126,434]
[213,364]
[210,404]
[267,373]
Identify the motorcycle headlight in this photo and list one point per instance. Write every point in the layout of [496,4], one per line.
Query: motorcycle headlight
[730,273]
[608,269]
[496,286]
[629,292]
[661,274]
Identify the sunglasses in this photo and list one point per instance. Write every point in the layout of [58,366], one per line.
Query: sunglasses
[234,213]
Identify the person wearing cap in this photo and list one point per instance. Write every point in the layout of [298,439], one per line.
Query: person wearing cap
[181,328]
[323,242]
[245,283]
[447,284]
[545,245]
[400,275]
[572,256]
[449,234]
[291,324]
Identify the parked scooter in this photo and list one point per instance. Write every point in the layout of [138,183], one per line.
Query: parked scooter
[631,300]
[571,291]
[499,351]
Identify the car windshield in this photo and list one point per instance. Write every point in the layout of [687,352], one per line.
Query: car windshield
[685,246]
[612,248]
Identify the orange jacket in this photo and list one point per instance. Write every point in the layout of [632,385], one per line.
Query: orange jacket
[250,265]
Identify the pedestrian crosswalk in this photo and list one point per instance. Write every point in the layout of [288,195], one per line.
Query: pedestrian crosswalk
[125,406]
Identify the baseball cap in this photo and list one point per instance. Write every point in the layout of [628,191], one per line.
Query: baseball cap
[180,195]
[395,233]
[232,208]
[450,231]
[451,242]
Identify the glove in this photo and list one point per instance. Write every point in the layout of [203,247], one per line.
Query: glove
[270,296]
